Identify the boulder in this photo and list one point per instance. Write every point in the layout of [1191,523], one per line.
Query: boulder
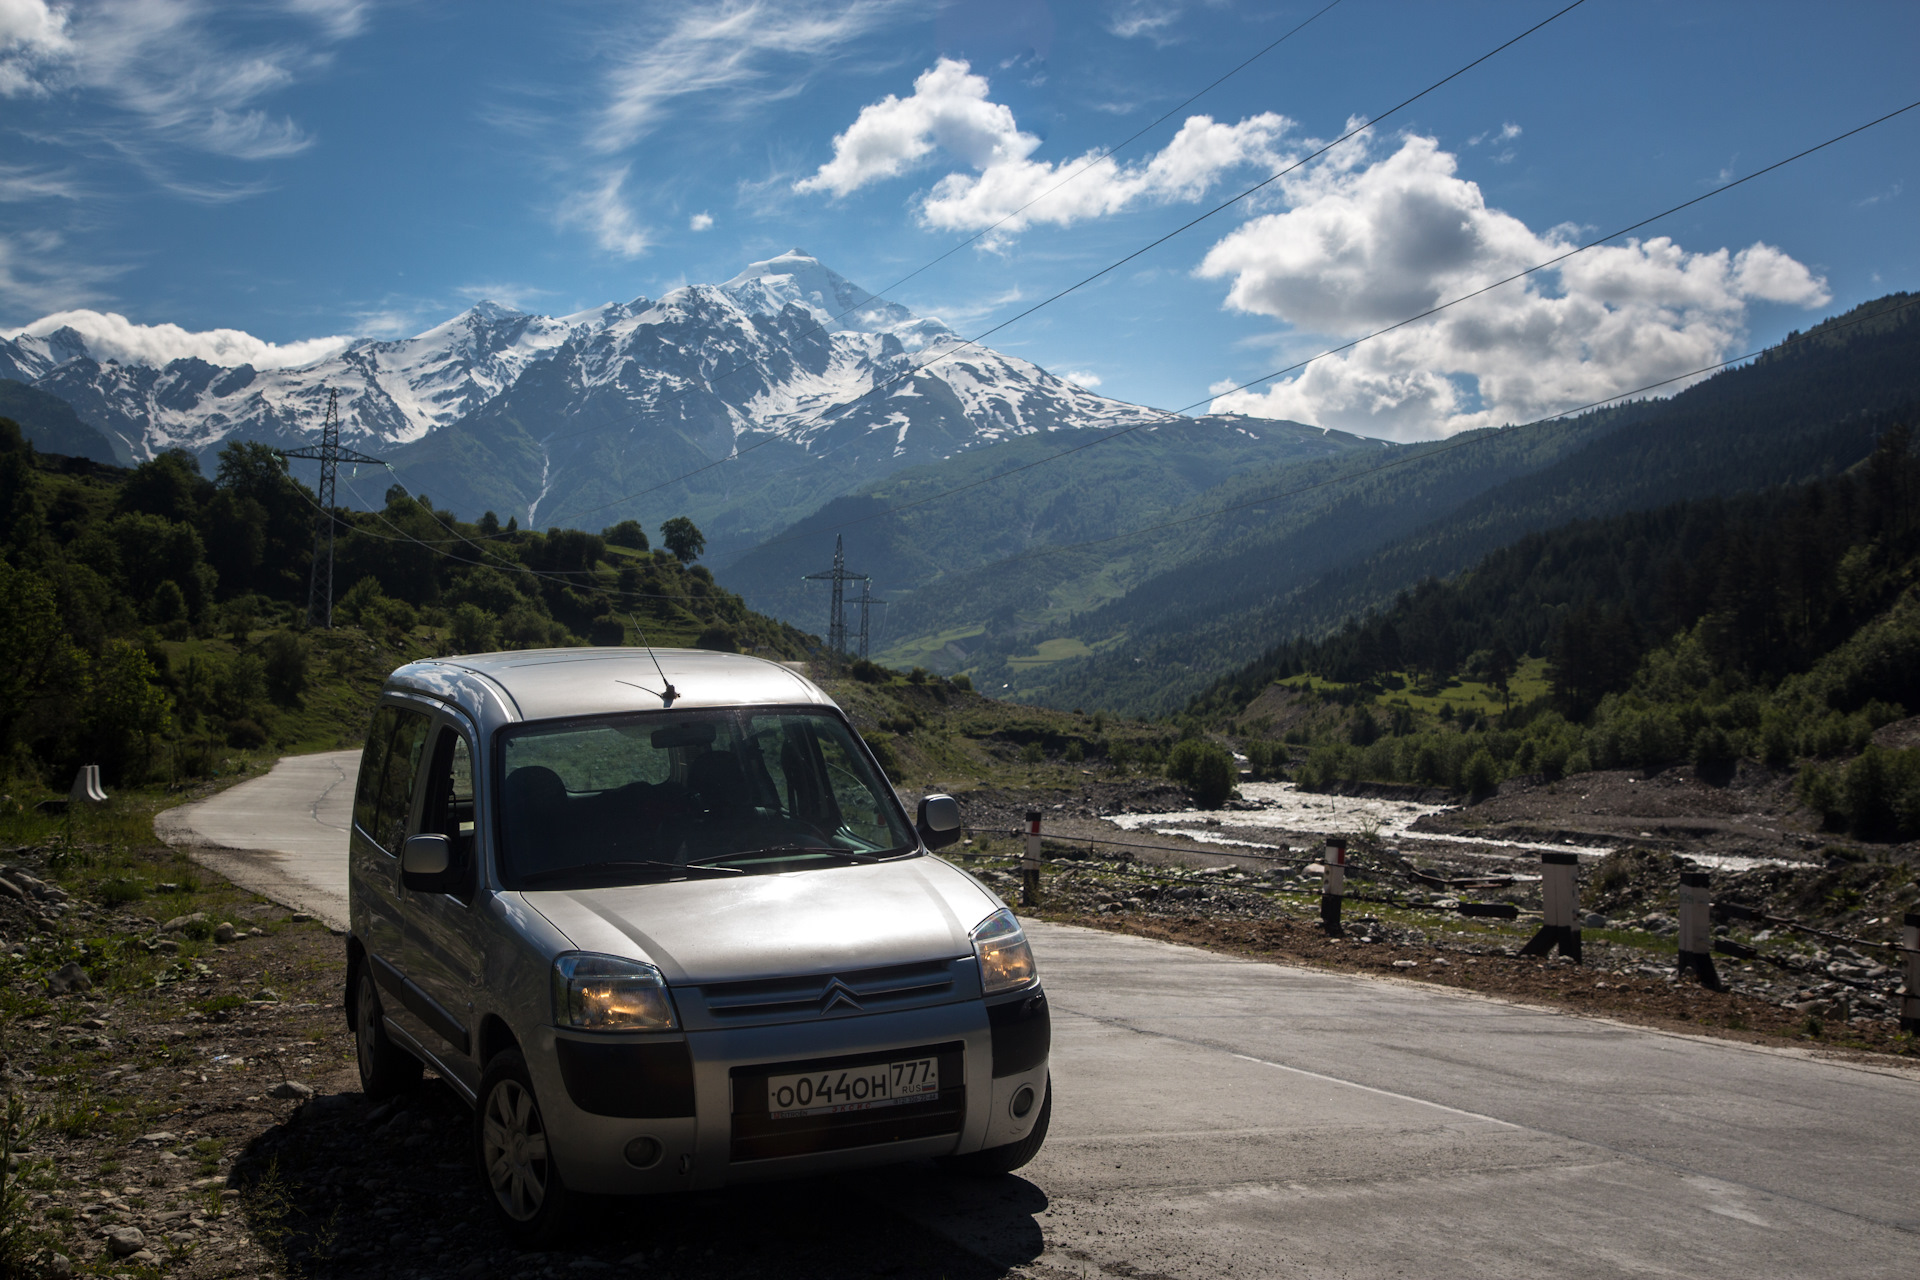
[124,1242]
[295,1089]
[68,978]
[184,922]
[225,932]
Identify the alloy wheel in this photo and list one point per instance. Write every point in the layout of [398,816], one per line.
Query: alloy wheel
[514,1146]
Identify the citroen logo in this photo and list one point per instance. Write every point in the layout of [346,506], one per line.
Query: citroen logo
[837,994]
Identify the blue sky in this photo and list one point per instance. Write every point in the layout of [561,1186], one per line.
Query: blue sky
[311,168]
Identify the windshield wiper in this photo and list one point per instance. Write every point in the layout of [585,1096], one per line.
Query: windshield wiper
[644,864]
[776,849]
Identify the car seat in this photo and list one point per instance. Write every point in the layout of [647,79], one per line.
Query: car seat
[536,812]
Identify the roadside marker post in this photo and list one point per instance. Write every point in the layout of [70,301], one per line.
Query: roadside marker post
[1910,998]
[1334,866]
[86,786]
[1696,931]
[1030,864]
[1559,907]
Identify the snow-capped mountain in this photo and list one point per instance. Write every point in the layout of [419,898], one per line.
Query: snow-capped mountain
[565,419]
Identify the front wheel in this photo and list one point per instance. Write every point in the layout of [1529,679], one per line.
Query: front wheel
[516,1164]
[385,1068]
[994,1161]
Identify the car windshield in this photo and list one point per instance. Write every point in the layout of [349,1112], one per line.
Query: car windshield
[675,794]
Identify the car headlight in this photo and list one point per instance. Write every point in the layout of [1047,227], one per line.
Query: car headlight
[1006,961]
[606,993]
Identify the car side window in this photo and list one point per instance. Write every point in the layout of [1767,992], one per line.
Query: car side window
[373,760]
[394,798]
[449,803]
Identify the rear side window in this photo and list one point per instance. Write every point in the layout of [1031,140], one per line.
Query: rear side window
[384,799]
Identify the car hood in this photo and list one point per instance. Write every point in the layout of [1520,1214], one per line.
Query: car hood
[765,926]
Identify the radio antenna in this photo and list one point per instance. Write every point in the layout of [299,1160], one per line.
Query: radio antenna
[667,692]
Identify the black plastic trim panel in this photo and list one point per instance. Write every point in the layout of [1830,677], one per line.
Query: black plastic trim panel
[1022,1034]
[421,1005]
[632,1080]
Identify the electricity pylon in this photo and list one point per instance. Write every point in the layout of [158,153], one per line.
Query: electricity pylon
[837,618]
[329,455]
[867,601]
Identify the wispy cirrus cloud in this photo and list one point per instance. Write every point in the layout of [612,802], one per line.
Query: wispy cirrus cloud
[601,208]
[37,275]
[171,72]
[750,51]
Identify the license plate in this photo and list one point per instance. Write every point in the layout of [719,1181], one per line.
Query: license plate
[881,1084]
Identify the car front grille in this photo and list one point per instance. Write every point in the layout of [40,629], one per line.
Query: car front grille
[881,990]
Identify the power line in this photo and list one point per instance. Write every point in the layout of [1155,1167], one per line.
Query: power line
[1477,438]
[1348,346]
[969,343]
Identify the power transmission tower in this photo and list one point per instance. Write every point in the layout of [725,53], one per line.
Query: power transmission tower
[837,619]
[329,455]
[867,601]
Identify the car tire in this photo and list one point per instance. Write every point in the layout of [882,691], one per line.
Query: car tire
[385,1068]
[995,1161]
[517,1169]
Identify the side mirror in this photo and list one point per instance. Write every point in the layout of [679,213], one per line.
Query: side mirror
[426,862]
[939,821]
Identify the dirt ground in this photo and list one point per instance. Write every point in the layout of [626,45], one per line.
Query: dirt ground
[1830,993]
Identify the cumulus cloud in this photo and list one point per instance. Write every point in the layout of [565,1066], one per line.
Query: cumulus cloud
[700,222]
[949,112]
[111,336]
[603,210]
[1372,241]
[1080,378]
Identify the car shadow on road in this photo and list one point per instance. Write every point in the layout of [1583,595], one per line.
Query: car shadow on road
[343,1188]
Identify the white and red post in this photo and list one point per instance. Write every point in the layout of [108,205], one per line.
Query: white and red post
[1910,998]
[1030,863]
[1334,866]
[1696,930]
[1559,907]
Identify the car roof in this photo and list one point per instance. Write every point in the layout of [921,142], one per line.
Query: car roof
[545,684]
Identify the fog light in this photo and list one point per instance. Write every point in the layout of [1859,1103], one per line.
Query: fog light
[644,1153]
[1022,1102]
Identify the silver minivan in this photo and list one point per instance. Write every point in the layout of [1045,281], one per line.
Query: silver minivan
[659,917]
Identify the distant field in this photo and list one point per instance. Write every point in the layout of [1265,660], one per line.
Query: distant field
[1529,681]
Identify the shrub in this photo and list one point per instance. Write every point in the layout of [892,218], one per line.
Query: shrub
[283,655]
[1481,775]
[867,672]
[246,734]
[627,533]
[1205,769]
[963,683]
[472,629]
[720,638]
[1032,753]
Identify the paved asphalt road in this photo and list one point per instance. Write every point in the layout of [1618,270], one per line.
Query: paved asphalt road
[1219,1117]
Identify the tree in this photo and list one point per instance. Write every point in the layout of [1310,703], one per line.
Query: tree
[627,533]
[285,657]
[683,539]
[473,629]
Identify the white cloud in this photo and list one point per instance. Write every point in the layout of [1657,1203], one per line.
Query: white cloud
[949,111]
[111,336]
[1138,18]
[700,222]
[604,212]
[1080,378]
[36,276]
[19,184]
[32,34]
[749,50]
[1368,244]
[170,65]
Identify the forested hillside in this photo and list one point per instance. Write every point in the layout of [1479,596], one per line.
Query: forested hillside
[152,619]
[1811,407]
[1782,626]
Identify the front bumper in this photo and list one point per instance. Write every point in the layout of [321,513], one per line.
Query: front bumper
[697,1101]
